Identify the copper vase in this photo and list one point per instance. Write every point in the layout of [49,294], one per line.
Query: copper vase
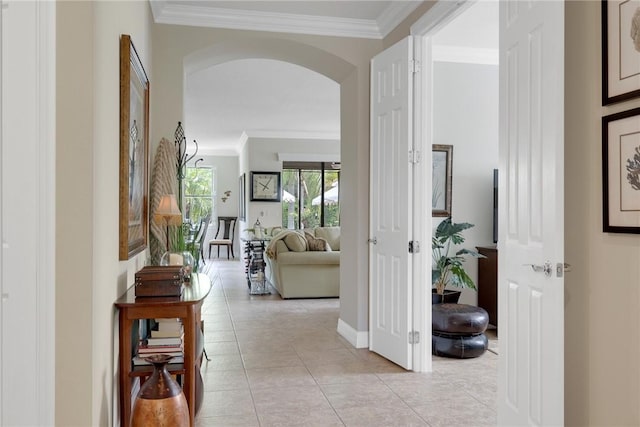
[160,401]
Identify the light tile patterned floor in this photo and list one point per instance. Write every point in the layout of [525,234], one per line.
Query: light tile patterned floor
[282,363]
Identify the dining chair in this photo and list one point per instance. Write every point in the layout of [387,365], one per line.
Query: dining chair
[198,240]
[224,235]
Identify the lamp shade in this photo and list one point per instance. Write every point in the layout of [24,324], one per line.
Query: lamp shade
[168,212]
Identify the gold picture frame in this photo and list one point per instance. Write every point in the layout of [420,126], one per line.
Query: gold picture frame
[134,152]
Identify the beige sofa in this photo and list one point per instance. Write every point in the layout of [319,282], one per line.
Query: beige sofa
[298,272]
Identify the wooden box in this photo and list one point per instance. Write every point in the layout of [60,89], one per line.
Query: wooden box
[160,272]
[159,281]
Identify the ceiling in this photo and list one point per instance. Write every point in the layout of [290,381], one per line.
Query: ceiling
[227,103]
[343,18]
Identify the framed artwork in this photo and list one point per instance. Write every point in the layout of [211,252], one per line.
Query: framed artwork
[442,164]
[620,50]
[621,172]
[265,187]
[242,202]
[134,151]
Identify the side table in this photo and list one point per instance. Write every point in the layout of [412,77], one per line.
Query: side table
[186,307]
[255,266]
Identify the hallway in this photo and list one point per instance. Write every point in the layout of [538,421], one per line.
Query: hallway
[281,362]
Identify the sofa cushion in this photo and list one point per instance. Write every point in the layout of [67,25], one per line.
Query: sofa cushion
[331,235]
[316,243]
[296,242]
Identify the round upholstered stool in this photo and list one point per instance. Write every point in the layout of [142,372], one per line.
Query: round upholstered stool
[458,330]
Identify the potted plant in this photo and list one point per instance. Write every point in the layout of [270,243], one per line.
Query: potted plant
[447,268]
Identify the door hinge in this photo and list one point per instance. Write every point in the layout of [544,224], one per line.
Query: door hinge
[414,337]
[414,247]
[415,156]
[414,66]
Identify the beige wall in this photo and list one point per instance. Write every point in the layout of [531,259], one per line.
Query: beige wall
[602,303]
[346,60]
[89,276]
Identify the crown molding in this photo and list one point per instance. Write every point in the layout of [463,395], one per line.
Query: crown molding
[394,15]
[165,12]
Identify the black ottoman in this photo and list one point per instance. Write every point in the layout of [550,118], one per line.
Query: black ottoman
[458,330]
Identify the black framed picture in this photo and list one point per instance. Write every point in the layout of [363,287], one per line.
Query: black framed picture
[442,165]
[621,172]
[620,50]
[265,187]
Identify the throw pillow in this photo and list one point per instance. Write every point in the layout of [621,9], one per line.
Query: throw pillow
[317,243]
[295,242]
[331,235]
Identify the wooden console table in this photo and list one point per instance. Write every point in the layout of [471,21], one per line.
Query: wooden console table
[186,307]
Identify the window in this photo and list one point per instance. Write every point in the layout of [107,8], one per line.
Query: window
[198,193]
[310,194]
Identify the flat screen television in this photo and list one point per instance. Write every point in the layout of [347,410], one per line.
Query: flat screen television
[495,206]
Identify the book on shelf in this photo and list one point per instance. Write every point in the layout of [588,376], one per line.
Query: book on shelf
[151,353]
[159,349]
[166,334]
[174,340]
[166,328]
[142,361]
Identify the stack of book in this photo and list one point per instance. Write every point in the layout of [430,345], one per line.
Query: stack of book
[165,337]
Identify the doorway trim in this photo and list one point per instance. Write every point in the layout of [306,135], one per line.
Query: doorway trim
[423,30]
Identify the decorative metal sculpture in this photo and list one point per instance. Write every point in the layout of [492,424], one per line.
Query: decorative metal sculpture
[182,157]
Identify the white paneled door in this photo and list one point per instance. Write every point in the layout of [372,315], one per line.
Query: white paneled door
[531,236]
[391,204]
[27,222]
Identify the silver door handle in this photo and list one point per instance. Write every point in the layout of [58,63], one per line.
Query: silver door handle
[374,240]
[546,268]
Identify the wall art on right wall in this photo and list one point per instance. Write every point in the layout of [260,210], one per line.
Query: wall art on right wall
[620,50]
[621,172]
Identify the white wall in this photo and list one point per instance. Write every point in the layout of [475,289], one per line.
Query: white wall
[466,116]
[263,156]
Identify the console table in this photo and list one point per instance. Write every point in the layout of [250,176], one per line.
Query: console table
[186,307]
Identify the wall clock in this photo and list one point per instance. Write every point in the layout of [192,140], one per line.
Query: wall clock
[265,187]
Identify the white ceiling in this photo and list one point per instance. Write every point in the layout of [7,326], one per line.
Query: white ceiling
[259,98]
[265,98]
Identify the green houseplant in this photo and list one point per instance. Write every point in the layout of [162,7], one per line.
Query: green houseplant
[447,267]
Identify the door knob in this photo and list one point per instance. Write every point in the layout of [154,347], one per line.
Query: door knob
[546,268]
[374,240]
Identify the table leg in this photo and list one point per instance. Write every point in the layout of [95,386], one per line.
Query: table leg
[189,363]
[124,361]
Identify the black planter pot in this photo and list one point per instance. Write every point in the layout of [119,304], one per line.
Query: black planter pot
[449,296]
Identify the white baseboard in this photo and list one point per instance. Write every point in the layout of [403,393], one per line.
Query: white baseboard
[358,339]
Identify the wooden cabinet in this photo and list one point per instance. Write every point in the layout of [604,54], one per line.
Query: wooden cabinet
[488,282]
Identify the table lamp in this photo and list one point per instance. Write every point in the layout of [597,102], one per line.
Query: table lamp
[168,213]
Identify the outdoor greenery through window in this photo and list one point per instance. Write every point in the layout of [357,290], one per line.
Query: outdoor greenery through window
[310,195]
[198,194]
